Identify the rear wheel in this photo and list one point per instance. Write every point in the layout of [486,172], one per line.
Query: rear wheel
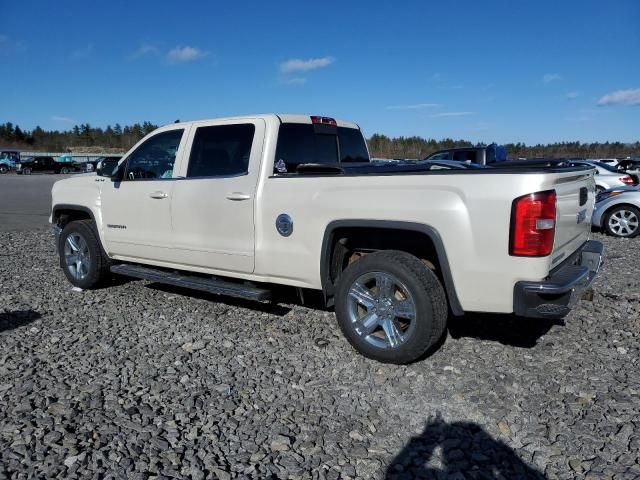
[391,307]
[81,255]
[4,169]
[623,221]
[26,171]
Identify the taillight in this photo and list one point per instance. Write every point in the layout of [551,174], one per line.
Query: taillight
[627,180]
[324,120]
[533,224]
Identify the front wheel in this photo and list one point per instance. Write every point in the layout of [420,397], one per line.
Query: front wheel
[3,169]
[623,221]
[26,171]
[391,307]
[64,170]
[81,256]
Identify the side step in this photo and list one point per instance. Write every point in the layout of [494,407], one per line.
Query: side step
[193,282]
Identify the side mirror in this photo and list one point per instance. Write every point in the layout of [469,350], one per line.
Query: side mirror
[107,167]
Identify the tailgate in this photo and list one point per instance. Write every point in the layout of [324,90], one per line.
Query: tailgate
[575,198]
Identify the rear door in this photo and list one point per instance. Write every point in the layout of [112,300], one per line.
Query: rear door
[214,200]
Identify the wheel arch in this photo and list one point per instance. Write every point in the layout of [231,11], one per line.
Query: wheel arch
[430,234]
[62,214]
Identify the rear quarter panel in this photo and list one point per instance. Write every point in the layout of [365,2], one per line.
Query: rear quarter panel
[471,212]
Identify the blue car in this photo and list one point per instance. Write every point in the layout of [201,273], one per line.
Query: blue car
[8,160]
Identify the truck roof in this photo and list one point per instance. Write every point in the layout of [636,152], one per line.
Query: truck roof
[281,117]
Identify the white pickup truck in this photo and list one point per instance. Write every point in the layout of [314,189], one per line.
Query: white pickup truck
[235,206]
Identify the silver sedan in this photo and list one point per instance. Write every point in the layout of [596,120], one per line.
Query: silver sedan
[617,211]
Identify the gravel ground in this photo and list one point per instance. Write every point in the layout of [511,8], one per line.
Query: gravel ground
[143,381]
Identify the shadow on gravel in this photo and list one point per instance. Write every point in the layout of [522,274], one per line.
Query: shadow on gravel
[458,450]
[271,308]
[506,329]
[17,319]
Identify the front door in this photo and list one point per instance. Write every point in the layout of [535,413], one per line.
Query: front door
[137,210]
[213,205]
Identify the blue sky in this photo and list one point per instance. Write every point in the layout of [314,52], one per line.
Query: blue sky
[506,71]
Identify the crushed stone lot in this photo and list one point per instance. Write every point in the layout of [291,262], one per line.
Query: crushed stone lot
[144,381]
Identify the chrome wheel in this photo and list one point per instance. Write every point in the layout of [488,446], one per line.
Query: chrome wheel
[381,309]
[76,256]
[623,223]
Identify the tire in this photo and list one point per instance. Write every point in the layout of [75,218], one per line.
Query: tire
[4,169]
[64,170]
[92,267]
[622,221]
[26,171]
[359,296]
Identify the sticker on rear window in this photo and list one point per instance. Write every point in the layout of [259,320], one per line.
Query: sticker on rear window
[281,166]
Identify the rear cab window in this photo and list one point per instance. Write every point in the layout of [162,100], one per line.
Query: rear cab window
[300,143]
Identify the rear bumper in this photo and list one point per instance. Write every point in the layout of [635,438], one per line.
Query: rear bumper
[555,296]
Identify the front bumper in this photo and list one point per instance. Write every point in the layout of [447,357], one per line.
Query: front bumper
[555,296]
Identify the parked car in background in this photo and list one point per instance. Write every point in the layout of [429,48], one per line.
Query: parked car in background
[90,165]
[8,160]
[617,212]
[484,155]
[630,166]
[43,165]
[606,176]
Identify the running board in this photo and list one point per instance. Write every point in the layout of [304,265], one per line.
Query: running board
[211,285]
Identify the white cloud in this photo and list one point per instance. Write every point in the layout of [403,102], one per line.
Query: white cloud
[415,106]
[452,114]
[297,65]
[143,51]
[572,95]
[551,77]
[82,53]
[184,54]
[57,118]
[630,96]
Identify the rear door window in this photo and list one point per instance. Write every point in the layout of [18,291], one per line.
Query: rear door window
[221,151]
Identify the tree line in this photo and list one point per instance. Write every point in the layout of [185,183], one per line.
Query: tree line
[84,135]
[121,138]
[418,147]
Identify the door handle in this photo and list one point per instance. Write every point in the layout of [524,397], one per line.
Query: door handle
[158,195]
[238,196]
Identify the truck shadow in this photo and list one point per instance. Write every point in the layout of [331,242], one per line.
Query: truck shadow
[17,319]
[503,328]
[458,450]
[273,307]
